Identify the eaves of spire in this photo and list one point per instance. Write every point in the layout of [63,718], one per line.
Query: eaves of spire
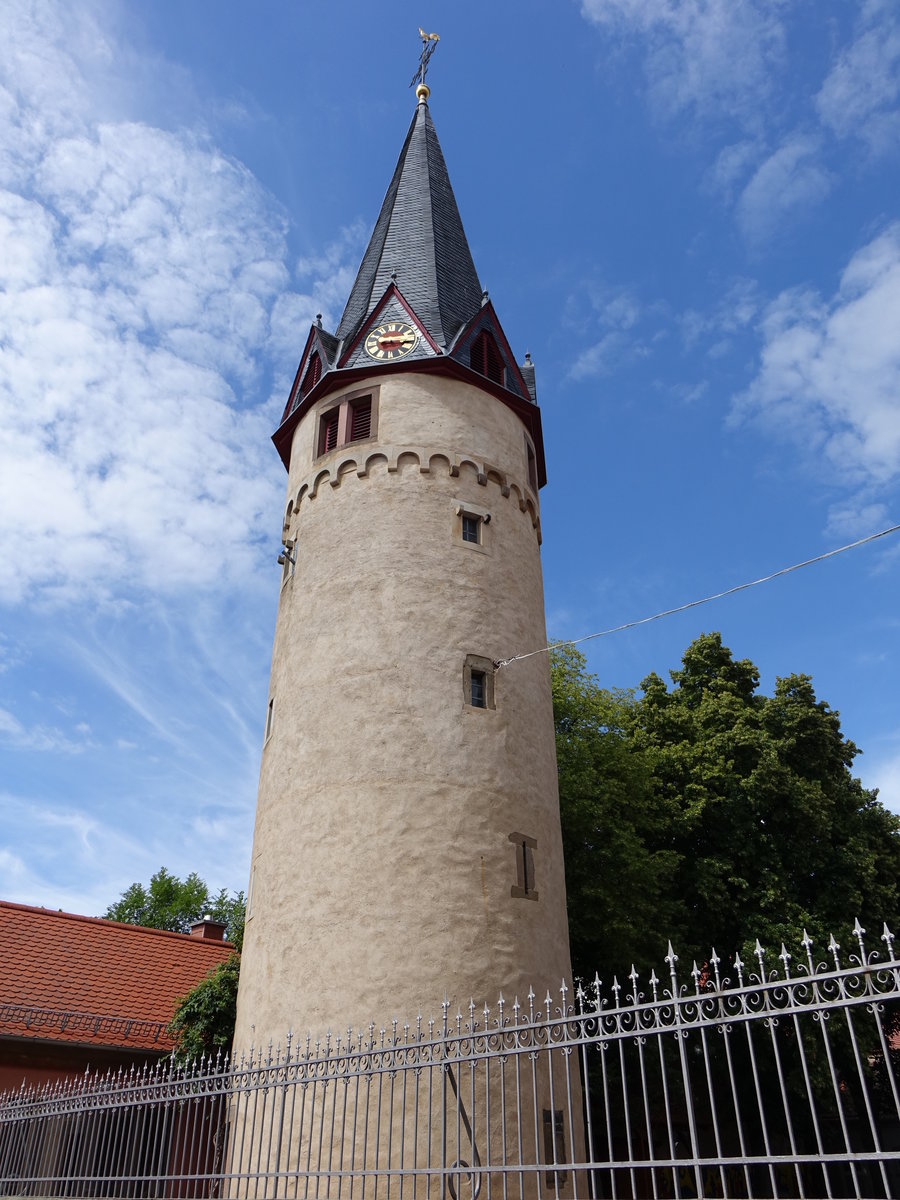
[419,237]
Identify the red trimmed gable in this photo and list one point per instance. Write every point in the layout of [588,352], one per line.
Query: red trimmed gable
[92,982]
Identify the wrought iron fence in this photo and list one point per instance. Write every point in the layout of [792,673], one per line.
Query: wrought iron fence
[776,1081]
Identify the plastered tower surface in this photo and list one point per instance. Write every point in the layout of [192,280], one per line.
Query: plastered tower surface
[407,847]
[383,869]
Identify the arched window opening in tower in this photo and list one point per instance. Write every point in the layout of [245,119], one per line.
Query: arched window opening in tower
[486,359]
[313,374]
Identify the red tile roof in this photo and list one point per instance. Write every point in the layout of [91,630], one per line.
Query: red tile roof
[94,982]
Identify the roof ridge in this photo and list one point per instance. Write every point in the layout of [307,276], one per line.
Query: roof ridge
[41,910]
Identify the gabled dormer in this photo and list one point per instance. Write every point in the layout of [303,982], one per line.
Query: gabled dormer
[482,346]
[319,355]
[391,333]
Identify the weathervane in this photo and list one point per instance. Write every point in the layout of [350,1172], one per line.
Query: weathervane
[429,45]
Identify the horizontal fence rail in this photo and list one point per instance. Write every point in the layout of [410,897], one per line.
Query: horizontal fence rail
[779,1080]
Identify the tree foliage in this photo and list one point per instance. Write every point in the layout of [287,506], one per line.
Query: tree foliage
[712,815]
[203,1023]
[174,904]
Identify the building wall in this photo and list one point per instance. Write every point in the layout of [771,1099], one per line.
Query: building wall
[383,869]
[34,1062]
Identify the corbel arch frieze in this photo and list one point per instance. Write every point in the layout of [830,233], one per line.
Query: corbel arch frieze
[430,461]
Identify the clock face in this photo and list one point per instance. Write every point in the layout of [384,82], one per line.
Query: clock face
[394,339]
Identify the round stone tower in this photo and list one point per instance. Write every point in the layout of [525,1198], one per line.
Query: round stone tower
[407,845]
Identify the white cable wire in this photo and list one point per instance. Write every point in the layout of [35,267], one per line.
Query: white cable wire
[741,587]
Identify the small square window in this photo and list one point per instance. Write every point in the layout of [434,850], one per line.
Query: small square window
[471,529]
[471,525]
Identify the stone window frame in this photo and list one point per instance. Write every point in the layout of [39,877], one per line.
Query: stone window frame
[523,888]
[466,509]
[482,666]
[343,406]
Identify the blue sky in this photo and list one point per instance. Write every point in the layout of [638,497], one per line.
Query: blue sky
[686,210]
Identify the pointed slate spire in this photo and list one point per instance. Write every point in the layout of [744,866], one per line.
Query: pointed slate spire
[419,235]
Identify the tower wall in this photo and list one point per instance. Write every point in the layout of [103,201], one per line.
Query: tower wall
[383,870]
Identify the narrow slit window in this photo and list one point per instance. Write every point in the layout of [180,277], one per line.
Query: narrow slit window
[270,718]
[554,1145]
[478,690]
[525,886]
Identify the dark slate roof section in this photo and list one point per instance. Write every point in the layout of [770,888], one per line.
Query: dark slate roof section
[418,234]
[329,344]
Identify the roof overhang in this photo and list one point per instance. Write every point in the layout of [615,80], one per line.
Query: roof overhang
[446,367]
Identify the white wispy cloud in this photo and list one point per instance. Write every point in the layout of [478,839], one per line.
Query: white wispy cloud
[789,182]
[829,369]
[713,57]
[733,313]
[144,286]
[609,318]
[152,316]
[43,738]
[860,96]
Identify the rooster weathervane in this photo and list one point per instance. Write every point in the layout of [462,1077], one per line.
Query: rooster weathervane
[429,45]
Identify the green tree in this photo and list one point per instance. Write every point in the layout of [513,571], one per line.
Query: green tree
[739,811]
[620,868]
[174,904]
[203,1023]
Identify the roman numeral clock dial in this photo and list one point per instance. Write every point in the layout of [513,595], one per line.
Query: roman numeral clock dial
[391,340]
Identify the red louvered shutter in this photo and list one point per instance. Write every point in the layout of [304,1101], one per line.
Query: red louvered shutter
[493,362]
[361,419]
[313,374]
[485,358]
[328,431]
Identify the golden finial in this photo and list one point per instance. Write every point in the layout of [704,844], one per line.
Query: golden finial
[429,45]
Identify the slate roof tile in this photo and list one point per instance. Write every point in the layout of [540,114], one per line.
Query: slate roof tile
[419,234]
